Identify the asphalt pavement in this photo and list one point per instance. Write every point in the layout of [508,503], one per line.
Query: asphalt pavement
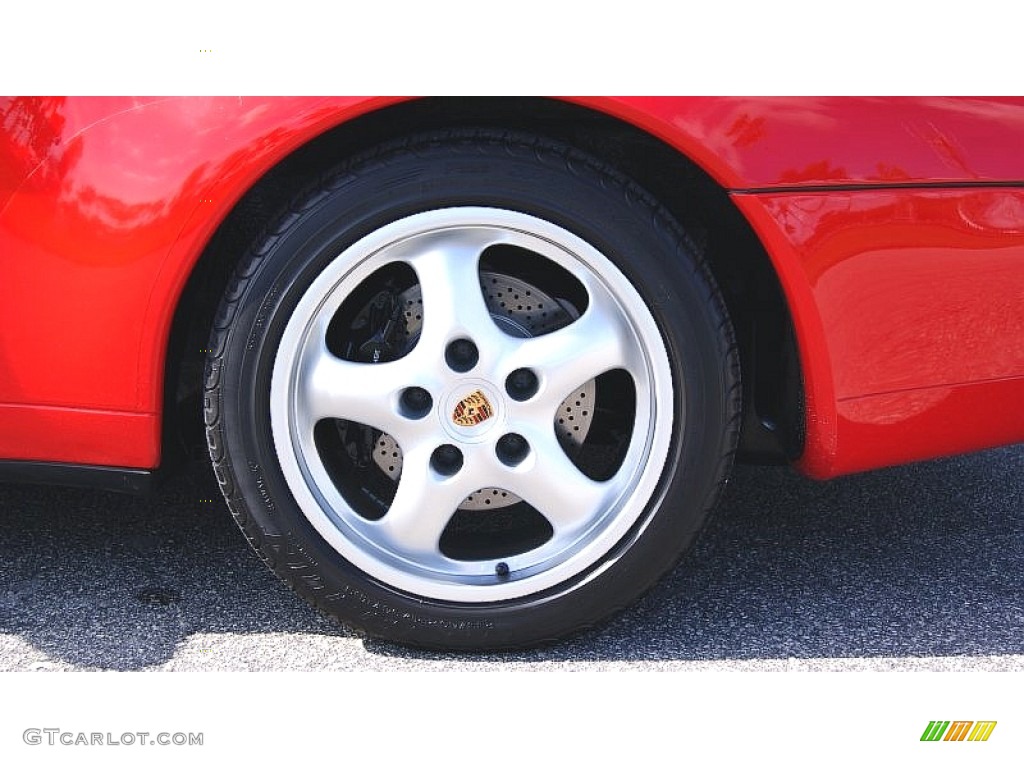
[916,567]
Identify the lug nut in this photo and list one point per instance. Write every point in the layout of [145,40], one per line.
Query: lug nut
[521,384]
[415,402]
[446,460]
[461,355]
[511,449]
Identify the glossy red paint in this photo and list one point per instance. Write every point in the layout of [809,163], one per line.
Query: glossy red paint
[109,204]
[908,306]
[757,143]
[906,301]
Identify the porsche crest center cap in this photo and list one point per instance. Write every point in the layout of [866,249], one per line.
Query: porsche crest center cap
[473,409]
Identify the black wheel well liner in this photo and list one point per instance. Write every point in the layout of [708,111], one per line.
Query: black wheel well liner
[773,412]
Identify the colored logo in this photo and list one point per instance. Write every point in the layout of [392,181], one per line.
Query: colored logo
[472,409]
[958,730]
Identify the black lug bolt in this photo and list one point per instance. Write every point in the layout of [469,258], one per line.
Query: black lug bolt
[511,449]
[461,355]
[501,569]
[415,402]
[521,384]
[446,460]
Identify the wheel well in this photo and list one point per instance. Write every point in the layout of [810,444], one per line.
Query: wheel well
[772,385]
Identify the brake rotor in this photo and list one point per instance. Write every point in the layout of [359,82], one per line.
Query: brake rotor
[522,310]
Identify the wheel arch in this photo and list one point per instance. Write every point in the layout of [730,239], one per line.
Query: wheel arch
[773,426]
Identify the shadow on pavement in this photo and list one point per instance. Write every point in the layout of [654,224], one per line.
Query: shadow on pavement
[923,560]
[114,581]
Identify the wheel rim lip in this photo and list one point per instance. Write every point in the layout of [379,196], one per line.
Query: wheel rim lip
[322,505]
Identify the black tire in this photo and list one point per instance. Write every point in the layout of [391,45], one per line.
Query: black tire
[580,526]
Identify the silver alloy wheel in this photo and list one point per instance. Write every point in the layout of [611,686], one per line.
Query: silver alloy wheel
[402,548]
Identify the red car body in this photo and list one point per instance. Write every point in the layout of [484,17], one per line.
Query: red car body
[895,228]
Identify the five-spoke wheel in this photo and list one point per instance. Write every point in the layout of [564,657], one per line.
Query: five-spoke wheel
[473,399]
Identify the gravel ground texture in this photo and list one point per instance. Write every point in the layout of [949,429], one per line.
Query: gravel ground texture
[910,568]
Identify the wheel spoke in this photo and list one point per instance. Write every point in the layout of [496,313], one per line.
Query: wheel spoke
[554,486]
[424,503]
[453,302]
[598,341]
[330,387]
